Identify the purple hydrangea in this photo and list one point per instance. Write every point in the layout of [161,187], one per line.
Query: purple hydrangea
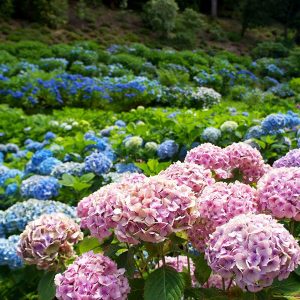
[291,159]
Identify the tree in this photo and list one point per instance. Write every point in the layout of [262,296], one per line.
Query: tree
[214,8]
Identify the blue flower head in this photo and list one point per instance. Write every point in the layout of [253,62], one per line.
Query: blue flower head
[40,156]
[167,149]
[120,123]
[97,163]
[50,135]
[47,165]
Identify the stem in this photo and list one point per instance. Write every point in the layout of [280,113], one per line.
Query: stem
[188,262]
[223,284]
[230,282]
[162,254]
[136,264]
[144,262]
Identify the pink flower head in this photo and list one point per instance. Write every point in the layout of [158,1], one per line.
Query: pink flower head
[48,241]
[247,160]
[190,174]
[211,157]
[92,276]
[279,193]
[218,204]
[254,249]
[102,204]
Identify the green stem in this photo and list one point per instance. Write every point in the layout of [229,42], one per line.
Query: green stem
[223,284]
[292,227]
[161,246]
[136,264]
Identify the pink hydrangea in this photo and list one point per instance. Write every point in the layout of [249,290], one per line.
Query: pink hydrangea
[153,209]
[211,157]
[48,241]
[247,160]
[92,276]
[254,249]
[291,159]
[190,174]
[279,193]
[217,205]
[102,202]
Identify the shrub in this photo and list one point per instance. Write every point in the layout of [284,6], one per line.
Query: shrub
[270,49]
[161,15]
[6,8]
[132,62]
[295,84]
[172,77]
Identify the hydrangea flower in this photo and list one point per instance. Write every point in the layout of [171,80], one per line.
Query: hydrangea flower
[123,168]
[206,96]
[48,241]
[151,147]
[211,157]
[274,123]
[291,159]
[279,192]
[8,252]
[149,210]
[247,160]
[47,165]
[229,126]
[6,173]
[17,216]
[97,163]
[133,142]
[11,189]
[194,176]
[40,187]
[120,123]
[50,135]
[92,276]
[12,148]
[218,204]
[254,249]
[211,134]
[40,156]
[167,149]
[71,168]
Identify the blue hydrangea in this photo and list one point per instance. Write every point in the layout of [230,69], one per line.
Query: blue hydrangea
[12,148]
[100,143]
[211,134]
[20,154]
[40,187]
[120,123]
[107,131]
[122,168]
[71,168]
[16,217]
[71,157]
[40,156]
[97,163]
[6,173]
[167,149]
[3,148]
[50,135]
[11,189]
[47,165]
[282,90]
[8,253]
[273,123]
[34,146]
[292,119]
[254,132]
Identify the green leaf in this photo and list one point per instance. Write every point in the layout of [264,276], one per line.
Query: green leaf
[87,244]
[205,294]
[79,186]
[164,283]
[288,287]
[202,270]
[126,261]
[46,287]
[137,289]
[67,180]
[87,177]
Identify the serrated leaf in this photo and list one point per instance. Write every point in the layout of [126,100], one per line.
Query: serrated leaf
[46,287]
[164,283]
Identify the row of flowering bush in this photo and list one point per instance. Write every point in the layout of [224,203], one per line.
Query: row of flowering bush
[125,77]
[222,224]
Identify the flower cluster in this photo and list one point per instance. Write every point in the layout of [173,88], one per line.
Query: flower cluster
[167,149]
[97,163]
[247,160]
[133,142]
[8,252]
[206,96]
[71,168]
[278,192]
[218,204]
[40,187]
[211,134]
[48,241]
[92,276]
[291,159]
[148,210]
[16,217]
[254,249]
[194,176]
[229,126]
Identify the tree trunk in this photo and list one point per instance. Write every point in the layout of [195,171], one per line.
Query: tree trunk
[214,8]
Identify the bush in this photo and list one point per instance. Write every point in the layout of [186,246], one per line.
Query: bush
[295,84]
[131,62]
[6,9]
[270,49]
[171,77]
[161,15]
